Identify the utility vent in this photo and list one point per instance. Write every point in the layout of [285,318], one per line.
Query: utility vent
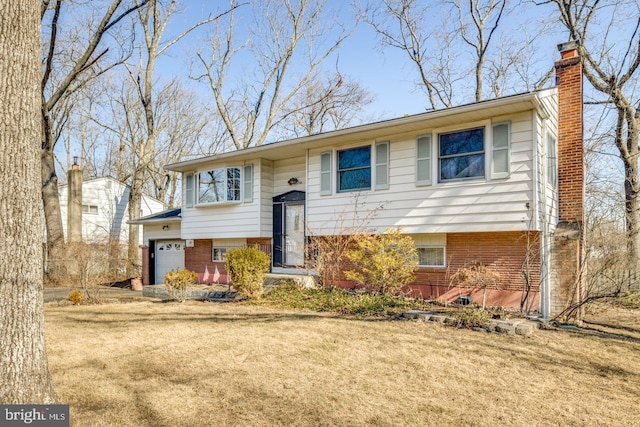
[464,300]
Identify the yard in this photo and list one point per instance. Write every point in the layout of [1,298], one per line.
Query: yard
[210,364]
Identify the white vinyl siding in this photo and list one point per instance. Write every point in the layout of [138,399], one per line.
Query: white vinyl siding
[325,173]
[423,160]
[464,205]
[501,158]
[247,180]
[382,165]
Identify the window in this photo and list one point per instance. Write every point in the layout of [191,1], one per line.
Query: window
[552,161]
[325,173]
[461,155]
[501,150]
[248,183]
[219,185]
[431,256]
[189,189]
[219,255]
[382,165]
[90,209]
[354,169]
[423,160]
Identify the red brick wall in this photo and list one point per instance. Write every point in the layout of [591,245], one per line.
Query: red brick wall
[145,266]
[502,252]
[200,257]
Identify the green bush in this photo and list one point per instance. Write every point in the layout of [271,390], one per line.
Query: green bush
[178,281]
[384,262]
[247,267]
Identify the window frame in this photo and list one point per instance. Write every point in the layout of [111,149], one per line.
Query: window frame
[444,256]
[483,152]
[340,171]
[90,211]
[224,186]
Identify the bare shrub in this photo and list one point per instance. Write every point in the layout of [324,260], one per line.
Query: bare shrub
[177,283]
[477,276]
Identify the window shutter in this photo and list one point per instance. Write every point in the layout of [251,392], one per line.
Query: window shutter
[382,165]
[325,173]
[501,150]
[552,161]
[423,160]
[189,190]
[248,183]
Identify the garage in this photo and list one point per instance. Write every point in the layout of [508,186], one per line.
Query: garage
[169,256]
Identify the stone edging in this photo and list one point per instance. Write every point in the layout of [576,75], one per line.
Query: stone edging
[524,327]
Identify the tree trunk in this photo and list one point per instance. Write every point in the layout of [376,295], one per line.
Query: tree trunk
[24,377]
[135,204]
[51,201]
[632,199]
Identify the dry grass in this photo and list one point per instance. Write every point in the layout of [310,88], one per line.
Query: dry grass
[199,364]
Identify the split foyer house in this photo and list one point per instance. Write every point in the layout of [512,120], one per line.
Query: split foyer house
[498,182]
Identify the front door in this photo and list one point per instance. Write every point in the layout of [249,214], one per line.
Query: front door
[288,230]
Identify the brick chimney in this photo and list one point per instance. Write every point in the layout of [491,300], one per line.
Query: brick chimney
[568,243]
[570,135]
[74,204]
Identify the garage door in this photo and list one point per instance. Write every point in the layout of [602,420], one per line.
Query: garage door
[169,256]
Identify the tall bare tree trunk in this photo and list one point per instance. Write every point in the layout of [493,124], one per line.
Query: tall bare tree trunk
[24,370]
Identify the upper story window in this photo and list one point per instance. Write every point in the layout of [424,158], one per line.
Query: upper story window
[218,185]
[354,169]
[461,155]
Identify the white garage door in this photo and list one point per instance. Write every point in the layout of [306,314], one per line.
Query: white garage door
[169,256]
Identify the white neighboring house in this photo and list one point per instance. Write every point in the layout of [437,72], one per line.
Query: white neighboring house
[105,209]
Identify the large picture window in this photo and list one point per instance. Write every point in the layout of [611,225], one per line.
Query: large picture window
[461,155]
[219,185]
[354,169]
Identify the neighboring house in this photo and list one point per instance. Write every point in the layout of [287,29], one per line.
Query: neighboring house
[105,210]
[499,182]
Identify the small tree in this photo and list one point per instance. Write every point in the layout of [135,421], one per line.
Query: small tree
[477,276]
[247,267]
[385,262]
[178,281]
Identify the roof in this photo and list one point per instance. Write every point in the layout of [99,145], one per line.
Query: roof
[379,130]
[164,216]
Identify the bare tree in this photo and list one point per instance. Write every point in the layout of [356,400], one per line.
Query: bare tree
[23,357]
[283,35]
[450,42]
[65,71]
[402,24]
[608,38]
[339,107]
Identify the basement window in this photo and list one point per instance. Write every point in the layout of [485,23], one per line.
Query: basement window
[90,209]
